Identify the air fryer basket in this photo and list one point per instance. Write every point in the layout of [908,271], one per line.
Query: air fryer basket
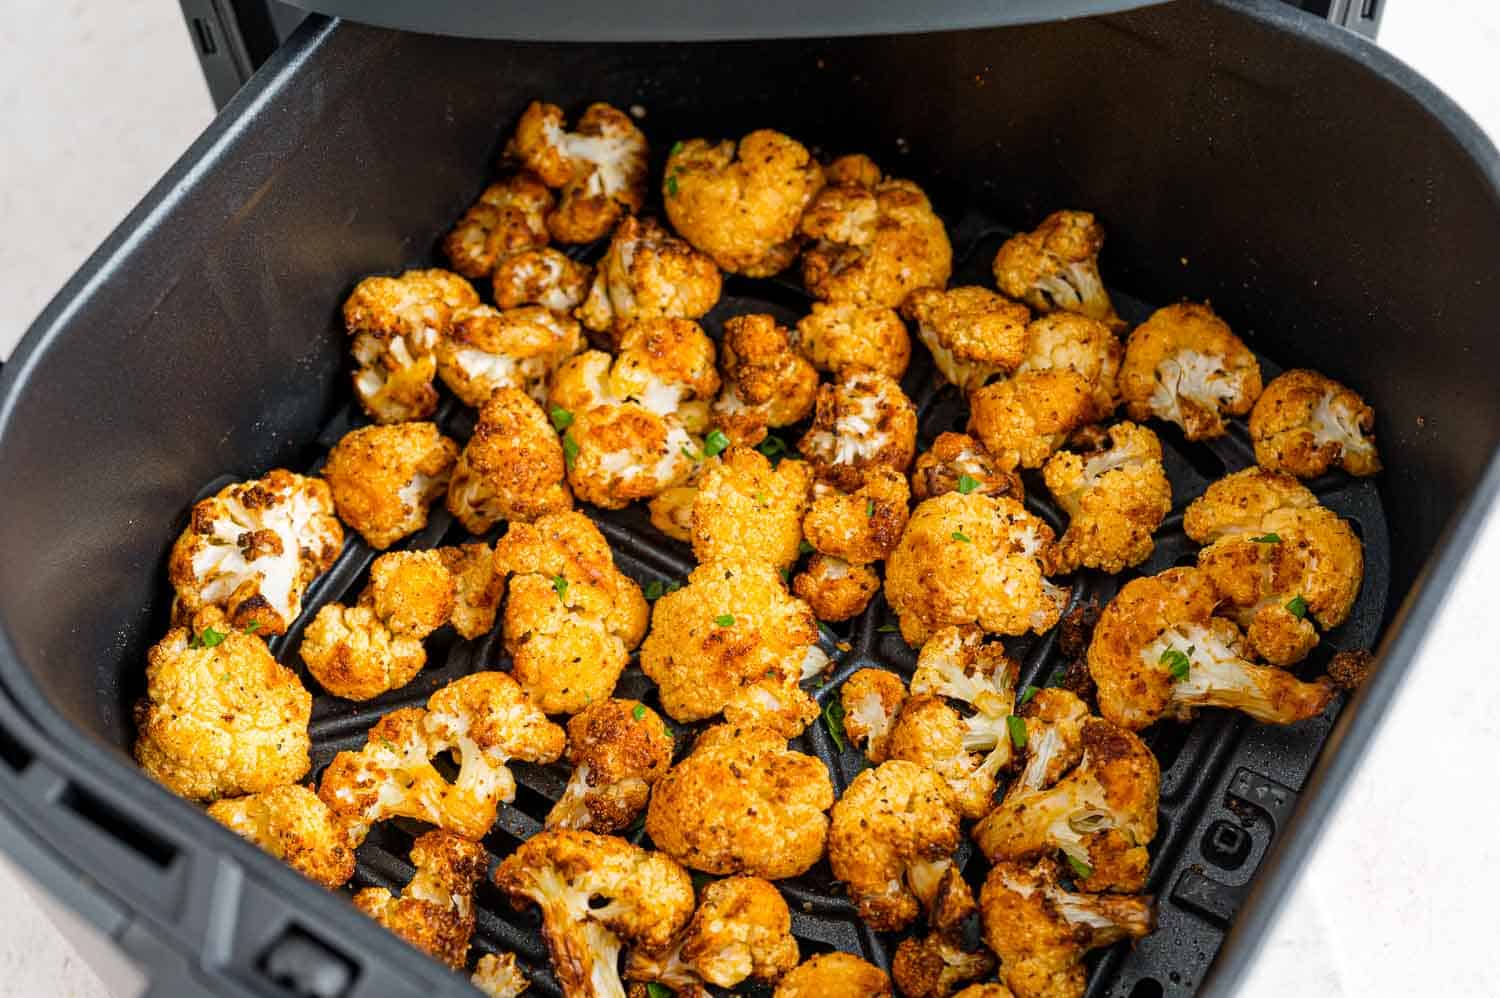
[1340,215]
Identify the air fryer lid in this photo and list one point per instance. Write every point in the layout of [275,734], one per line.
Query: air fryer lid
[700,20]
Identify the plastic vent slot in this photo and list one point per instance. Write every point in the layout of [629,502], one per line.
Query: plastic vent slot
[118,825]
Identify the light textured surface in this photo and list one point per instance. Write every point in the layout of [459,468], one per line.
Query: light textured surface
[97,100]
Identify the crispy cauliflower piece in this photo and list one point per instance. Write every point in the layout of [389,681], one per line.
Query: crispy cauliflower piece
[863,421]
[974,334]
[1305,423]
[740,203]
[1115,497]
[649,273]
[835,975]
[733,640]
[1055,267]
[572,618]
[1158,651]
[541,276]
[599,169]
[893,835]
[384,478]
[512,468]
[1184,366]
[742,802]
[741,930]
[767,383]
[596,892]
[936,965]
[354,654]
[499,976]
[835,589]
[509,217]
[1054,740]
[1065,341]
[989,990]
[672,511]
[871,699]
[1023,420]
[957,462]
[292,824]
[413,592]
[957,663]
[973,560]
[863,526]
[487,349]
[1041,932]
[252,549]
[435,911]
[933,735]
[874,242]
[484,719]
[838,337]
[747,510]
[397,323]
[220,717]
[1238,504]
[478,587]
[618,749]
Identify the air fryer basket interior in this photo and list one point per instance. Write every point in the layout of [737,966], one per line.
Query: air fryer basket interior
[1329,216]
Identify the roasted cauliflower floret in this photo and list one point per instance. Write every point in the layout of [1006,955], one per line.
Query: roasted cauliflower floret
[835,975]
[598,169]
[1023,420]
[512,468]
[478,587]
[384,478]
[973,560]
[509,217]
[435,911]
[1054,740]
[1305,423]
[220,717]
[974,334]
[412,591]
[1239,503]
[767,383]
[990,990]
[871,699]
[740,203]
[1055,267]
[748,510]
[957,462]
[672,511]
[1041,932]
[486,350]
[252,548]
[742,802]
[1184,366]
[397,323]
[1115,497]
[649,273]
[733,640]
[835,589]
[354,654]
[292,824]
[874,243]
[838,337]
[541,276]
[1064,341]
[618,749]
[862,526]
[957,663]
[1158,651]
[936,965]
[595,893]
[741,930]
[863,421]
[572,618]
[499,976]
[933,735]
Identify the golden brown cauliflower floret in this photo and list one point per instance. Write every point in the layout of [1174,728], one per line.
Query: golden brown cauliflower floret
[871,699]
[618,749]
[1054,740]
[252,549]
[648,273]
[863,421]
[1064,341]
[1184,365]
[1055,267]
[512,468]
[499,976]
[933,735]
[487,350]
[353,654]
[397,323]
[733,640]
[741,930]
[1023,420]
[1115,497]
[1239,503]
[509,217]
[1041,932]
[990,990]
[893,835]
[478,587]
[835,589]
[599,168]
[767,383]
[292,824]
[412,591]
[596,892]
[435,911]
[541,276]
[838,337]
[747,510]
[672,510]
[936,965]
[835,975]
[973,559]
[1158,651]
[740,203]
[863,526]
[384,478]
[957,462]
[220,717]
[1305,423]
[974,334]
[742,802]
[572,618]
[874,243]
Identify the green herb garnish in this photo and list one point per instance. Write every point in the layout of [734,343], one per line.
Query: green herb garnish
[252,627]
[209,638]
[1017,729]
[654,990]
[760,498]
[1176,662]
[772,446]
[714,443]
[725,620]
[673,585]
[561,418]
[888,629]
[1267,539]
[1026,695]
[959,535]
[570,450]
[966,484]
[869,508]
[1081,870]
[672,184]
[1297,607]
[561,585]
[638,711]
[654,589]
[803,547]
[676,148]
[833,718]
[690,454]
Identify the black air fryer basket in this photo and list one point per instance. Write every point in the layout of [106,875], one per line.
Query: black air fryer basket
[1338,211]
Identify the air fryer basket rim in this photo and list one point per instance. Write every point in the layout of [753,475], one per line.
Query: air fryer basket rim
[115,777]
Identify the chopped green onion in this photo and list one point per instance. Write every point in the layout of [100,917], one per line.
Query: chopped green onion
[869,508]
[833,718]
[672,185]
[760,498]
[715,443]
[252,627]
[804,548]
[1017,729]
[638,711]
[673,586]
[561,585]
[1267,539]
[654,990]
[888,629]
[725,620]
[772,446]
[959,535]
[1027,694]
[1081,870]
[570,450]
[690,454]
[1297,607]
[561,418]
[676,148]
[210,638]
[654,589]
[966,484]
[1177,662]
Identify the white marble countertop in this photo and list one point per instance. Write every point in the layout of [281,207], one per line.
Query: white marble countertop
[97,100]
